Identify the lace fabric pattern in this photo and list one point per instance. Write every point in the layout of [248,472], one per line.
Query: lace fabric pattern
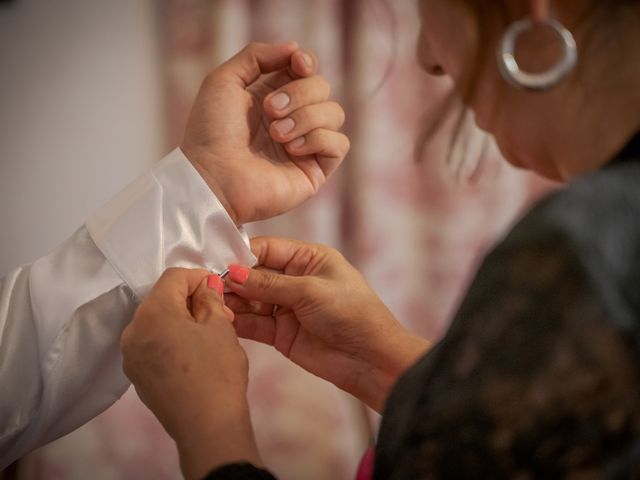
[538,375]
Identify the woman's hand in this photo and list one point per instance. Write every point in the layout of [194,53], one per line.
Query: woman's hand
[262,132]
[328,319]
[182,354]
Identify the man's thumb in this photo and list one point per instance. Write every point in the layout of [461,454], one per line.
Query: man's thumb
[257,59]
[264,286]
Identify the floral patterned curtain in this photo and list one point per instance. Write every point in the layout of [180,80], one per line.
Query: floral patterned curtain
[411,227]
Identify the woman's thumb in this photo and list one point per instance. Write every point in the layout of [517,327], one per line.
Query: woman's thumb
[207,301]
[264,286]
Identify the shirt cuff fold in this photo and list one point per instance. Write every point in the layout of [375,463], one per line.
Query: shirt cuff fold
[167,218]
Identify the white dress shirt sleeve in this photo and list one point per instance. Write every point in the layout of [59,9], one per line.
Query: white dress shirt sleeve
[61,317]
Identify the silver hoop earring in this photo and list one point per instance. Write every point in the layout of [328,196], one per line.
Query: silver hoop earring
[536,81]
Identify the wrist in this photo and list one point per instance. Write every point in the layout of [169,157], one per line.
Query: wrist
[379,377]
[198,159]
[223,436]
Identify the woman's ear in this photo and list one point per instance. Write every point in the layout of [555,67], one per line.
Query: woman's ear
[539,10]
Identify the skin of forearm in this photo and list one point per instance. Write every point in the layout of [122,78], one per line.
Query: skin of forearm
[221,438]
[376,379]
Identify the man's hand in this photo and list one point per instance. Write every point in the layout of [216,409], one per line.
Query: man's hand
[262,132]
[182,354]
[328,319]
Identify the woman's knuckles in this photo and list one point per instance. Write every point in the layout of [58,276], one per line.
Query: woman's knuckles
[264,282]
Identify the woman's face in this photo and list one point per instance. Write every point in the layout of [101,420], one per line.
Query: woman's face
[448,44]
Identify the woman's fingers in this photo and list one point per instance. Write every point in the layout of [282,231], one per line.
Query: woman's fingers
[296,94]
[206,302]
[268,287]
[326,115]
[288,255]
[240,305]
[175,285]
[280,332]
[259,328]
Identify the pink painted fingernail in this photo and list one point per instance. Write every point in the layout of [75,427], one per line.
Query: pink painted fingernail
[216,283]
[284,126]
[297,143]
[280,100]
[238,273]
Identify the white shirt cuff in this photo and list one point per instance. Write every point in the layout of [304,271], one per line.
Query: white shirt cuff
[167,218]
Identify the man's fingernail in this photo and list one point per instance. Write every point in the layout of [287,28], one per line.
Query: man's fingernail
[307,59]
[215,282]
[280,100]
[297,143]
[238,273]
[285,126]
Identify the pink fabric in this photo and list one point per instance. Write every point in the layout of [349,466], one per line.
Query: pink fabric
[416,234]
[365,469]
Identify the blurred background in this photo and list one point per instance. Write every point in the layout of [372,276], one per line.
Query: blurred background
[93,92]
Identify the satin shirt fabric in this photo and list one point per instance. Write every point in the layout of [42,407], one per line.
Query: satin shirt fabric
[61,317]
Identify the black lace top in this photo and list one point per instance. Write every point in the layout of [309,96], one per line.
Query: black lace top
[539,373]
